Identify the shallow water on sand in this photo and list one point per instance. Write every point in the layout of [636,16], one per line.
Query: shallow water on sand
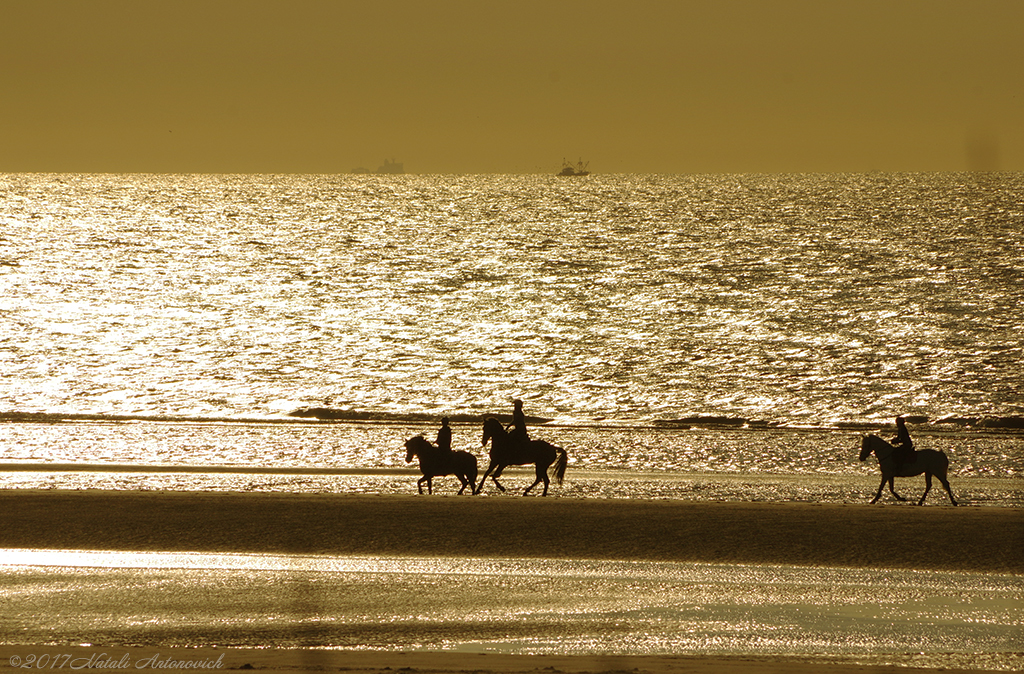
[901,617]
[580,484]
[724,464]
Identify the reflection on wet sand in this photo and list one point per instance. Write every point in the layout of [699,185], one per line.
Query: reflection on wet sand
[512,606]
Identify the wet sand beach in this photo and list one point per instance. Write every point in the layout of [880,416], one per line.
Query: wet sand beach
[904,536]
[369,662]
[938,537]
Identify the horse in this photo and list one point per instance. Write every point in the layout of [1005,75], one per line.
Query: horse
[505,451]
[927,461]
[435,462]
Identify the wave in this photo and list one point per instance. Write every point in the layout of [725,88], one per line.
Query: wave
[306,415]
[232,469]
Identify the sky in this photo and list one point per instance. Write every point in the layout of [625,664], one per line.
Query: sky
[487,86]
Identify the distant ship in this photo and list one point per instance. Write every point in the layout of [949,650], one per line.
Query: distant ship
[391,167]
[577,169]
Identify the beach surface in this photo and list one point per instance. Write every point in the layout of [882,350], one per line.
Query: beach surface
[273,661]
[903,536]
[975,539]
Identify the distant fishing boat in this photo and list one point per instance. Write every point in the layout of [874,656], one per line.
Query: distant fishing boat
[577,169]
[391,167]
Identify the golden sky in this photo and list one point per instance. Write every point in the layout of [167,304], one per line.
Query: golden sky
[482,86]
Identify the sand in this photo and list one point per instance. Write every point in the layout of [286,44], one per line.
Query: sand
[893,536]
[880,536]
[372,662]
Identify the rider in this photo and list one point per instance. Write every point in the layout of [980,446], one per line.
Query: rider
[903,444]
[444,436]
[518,425]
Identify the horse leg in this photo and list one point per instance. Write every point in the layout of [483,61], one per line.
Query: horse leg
[927,487]
[465,483]
[496,474]
[892,488]
[880,487]
[541,477]
[430,484]
[419,483]
[542,473]
[945,483]
[487,472]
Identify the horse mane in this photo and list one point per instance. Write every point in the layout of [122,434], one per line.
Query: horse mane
[494,427]
[421,444]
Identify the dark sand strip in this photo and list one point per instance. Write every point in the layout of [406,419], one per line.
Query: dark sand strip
[889,536]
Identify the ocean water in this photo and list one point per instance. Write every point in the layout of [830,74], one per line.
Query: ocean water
[788,299]
[783,305]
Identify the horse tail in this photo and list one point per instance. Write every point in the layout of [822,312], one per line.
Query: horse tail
[561,464]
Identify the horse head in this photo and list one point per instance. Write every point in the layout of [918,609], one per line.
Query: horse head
[865,447]
[492,429]
[873,443]
[414,446]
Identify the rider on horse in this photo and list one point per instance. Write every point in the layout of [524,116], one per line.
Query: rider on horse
[444,436]
[903,444]
[517,429]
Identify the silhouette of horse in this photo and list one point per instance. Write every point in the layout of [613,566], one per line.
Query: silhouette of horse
[435,462]
[927,461]
[505,451]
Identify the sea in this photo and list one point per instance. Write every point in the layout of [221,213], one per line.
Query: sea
[725,337]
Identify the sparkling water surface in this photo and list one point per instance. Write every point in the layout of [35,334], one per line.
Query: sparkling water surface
[620,300]
[789,297]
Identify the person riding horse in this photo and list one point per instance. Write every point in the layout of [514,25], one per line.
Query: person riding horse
[444,436]
[506,451]
[435,462]
[904,445]
[517,429]
[927,461]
